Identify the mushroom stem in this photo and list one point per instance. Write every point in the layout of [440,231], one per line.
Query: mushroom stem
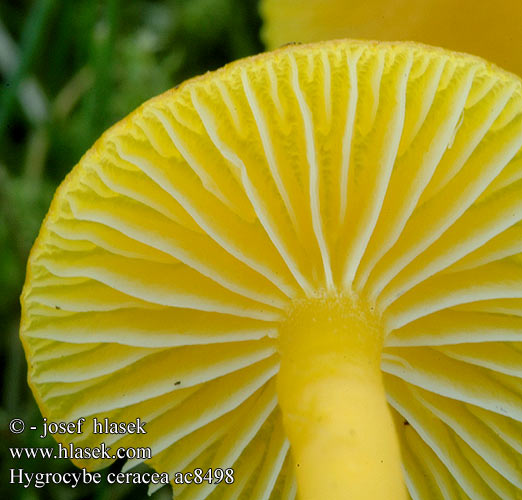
[343,440]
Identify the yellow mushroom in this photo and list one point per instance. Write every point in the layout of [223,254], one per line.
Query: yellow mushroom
[257,262]
[490,29]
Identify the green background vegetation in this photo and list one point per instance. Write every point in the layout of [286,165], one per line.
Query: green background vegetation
[68,70]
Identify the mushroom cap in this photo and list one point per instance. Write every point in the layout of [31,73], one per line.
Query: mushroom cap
[175,248]
[481,27]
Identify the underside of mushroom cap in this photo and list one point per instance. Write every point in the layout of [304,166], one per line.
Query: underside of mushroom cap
[176,248]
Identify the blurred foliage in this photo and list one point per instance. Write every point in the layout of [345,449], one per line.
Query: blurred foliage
[68,70]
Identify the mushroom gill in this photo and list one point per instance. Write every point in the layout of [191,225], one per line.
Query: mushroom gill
[255,262]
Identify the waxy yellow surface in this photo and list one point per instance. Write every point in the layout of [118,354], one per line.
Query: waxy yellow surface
[490,29]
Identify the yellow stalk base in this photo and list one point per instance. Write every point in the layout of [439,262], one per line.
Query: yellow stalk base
[331,393]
